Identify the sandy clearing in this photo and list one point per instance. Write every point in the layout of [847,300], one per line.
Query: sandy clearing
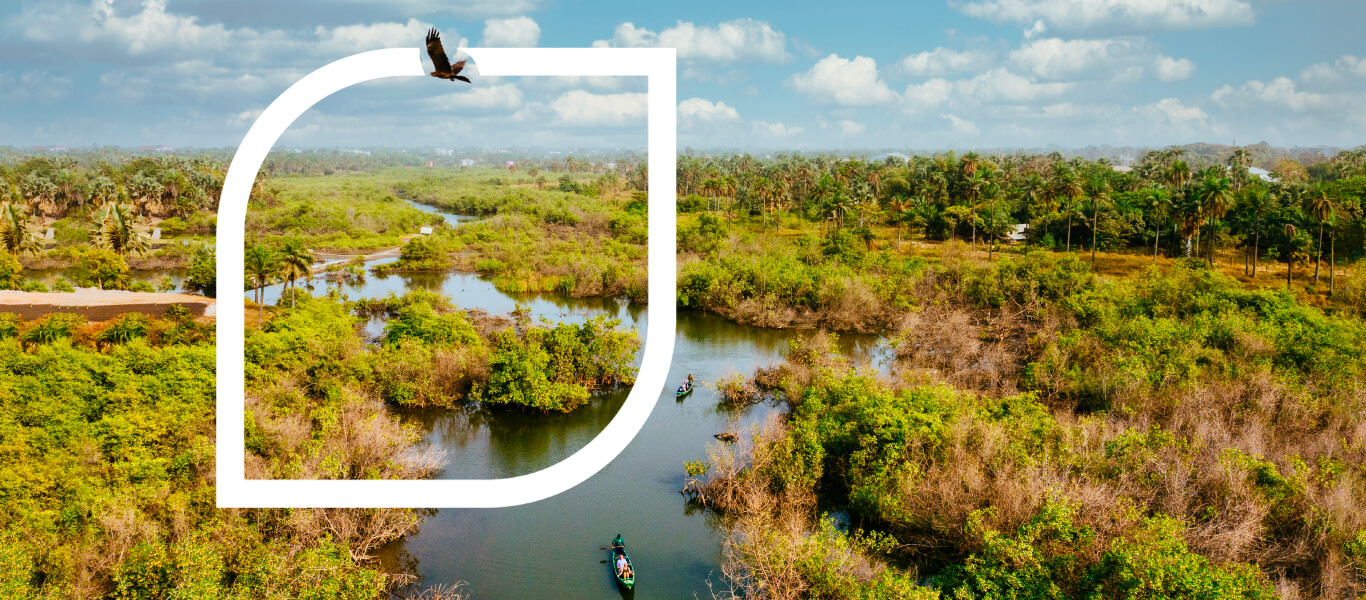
[101,305]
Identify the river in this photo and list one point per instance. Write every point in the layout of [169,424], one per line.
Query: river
[549,549]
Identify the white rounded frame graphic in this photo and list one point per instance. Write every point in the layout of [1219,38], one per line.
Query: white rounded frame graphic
[234,490]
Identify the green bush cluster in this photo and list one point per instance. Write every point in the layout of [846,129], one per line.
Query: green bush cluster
[349,212]
[1046,558]
[106,465]
[555,369]
[1164,331]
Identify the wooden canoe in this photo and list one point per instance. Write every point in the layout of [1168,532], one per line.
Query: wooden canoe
[629,581]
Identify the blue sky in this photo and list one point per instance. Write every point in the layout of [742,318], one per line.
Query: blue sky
[927,74]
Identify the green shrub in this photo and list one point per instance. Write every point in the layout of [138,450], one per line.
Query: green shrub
[1153,563]
[11,272]
[420,321]
[53,327]
[125,329]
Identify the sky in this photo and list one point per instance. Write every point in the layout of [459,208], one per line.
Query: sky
[908,75]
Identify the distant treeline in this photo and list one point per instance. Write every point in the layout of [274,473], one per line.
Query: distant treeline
[1169,201]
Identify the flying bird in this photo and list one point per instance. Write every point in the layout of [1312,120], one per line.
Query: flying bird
[444,68]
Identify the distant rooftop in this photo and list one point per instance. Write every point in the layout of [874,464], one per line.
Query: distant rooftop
[1263,173]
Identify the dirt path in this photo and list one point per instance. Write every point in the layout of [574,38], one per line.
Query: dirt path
[323,257]
[101,305]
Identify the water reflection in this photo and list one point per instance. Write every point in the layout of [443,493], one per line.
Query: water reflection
[549,549]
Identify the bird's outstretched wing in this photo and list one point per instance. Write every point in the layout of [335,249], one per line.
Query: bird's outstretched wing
[437,54]
[457,68]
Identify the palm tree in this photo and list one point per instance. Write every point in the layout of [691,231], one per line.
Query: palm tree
[711,187]
[1238,163]
[1100,194]
[972,186]
[261,265]
[970,162]
[39,191]
[1068,187]
[1320,206]
[992,192]
[1254,207]
[899,205]
[1332,253]
[1157,205]
[145,192]
[103,190]
[1218,198]
[114,230]
[295,262]
[69,193]
[875,179]
[1290,232]
[15,236]
[1177,175]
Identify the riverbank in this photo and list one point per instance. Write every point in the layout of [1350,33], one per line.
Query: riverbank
[102,305]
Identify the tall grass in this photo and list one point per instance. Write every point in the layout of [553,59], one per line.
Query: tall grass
[1042,429]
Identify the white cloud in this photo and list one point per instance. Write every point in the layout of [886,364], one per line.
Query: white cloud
[1114,16]
[575,81]
[1055,58]
[483,97]
[927,95]
[1176,112]
[945,61]
[703,110]
[1000,84]
[776,129]
[731,41]
[578,107]
[1344,69]
[1037,29]
[470,9]
[150,29]
[848,127]
[108,32]
[1281,92]
[997,86]
[350,39]
[33,86]
[842,81]
[1166,68]
[961,125]
[1118,60]
[515,32]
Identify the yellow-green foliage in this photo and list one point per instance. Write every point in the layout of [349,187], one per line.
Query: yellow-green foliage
[1160,331]
[1047,559]
[339,212]
[106,465]
[554,369]
[1123,463]
[829,564]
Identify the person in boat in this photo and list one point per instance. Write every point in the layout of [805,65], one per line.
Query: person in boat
[623,567]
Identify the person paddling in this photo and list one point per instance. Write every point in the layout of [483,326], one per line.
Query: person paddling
[623,567]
